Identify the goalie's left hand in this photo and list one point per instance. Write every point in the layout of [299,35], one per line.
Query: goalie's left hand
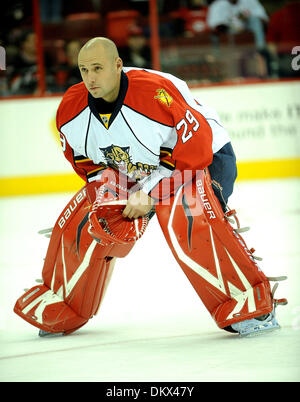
[138,204]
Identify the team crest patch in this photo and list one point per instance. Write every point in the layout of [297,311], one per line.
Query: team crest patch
[119,158]
[164,97]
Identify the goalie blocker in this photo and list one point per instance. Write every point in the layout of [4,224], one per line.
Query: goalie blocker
[85,240]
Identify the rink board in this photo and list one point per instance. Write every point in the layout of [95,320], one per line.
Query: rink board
[262,120]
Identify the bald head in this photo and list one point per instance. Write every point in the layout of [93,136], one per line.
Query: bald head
[102,45]
[100,67]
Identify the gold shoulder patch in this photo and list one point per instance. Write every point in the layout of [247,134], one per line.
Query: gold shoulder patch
[164,97]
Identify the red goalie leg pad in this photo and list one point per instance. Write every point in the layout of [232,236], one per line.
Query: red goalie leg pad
[76,271]
[41,307]
[213,255]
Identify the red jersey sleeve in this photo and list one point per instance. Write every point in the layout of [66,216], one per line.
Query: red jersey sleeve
[83,166]
[75,100]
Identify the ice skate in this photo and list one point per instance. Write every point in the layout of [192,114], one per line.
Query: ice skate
[45,334]
[256,326]
[262,324]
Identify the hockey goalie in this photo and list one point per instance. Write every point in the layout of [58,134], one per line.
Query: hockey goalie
[144,145]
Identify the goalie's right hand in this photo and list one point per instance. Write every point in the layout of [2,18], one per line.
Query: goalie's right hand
[138,205]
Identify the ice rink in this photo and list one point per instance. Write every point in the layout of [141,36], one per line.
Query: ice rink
[152,326]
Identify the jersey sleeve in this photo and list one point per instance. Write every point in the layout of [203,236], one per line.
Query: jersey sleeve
[72,102]
[188,148]
[83,166]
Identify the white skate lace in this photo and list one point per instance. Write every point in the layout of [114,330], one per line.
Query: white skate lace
[238,229]
[277,302]
[232,213]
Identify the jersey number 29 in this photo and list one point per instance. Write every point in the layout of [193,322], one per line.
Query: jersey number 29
[184,123]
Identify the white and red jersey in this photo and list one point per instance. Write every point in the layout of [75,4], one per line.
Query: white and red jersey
[156,128]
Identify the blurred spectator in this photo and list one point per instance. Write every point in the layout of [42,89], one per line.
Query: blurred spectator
[252,16]
[137,52]
[219,16]
[51,11]
[73,74]
[66,73]
[194,17]
[282,36]
[234,16]
[22,72]
[23,77]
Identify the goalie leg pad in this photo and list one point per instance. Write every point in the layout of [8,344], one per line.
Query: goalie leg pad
[43,308]
[213,255]
[76,271]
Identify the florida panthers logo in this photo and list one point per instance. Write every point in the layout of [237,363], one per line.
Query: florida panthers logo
[117,155]
[119,158]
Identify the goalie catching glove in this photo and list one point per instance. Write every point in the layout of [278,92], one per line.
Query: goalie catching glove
[107,224]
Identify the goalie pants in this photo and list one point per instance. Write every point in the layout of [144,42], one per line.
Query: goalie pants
[223,173]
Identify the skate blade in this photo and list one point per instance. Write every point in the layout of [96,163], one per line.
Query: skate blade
[45,334]
[259,332]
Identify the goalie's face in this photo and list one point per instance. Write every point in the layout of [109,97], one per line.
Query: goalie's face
[100,71]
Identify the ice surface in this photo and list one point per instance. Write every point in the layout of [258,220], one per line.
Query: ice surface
[152,325]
